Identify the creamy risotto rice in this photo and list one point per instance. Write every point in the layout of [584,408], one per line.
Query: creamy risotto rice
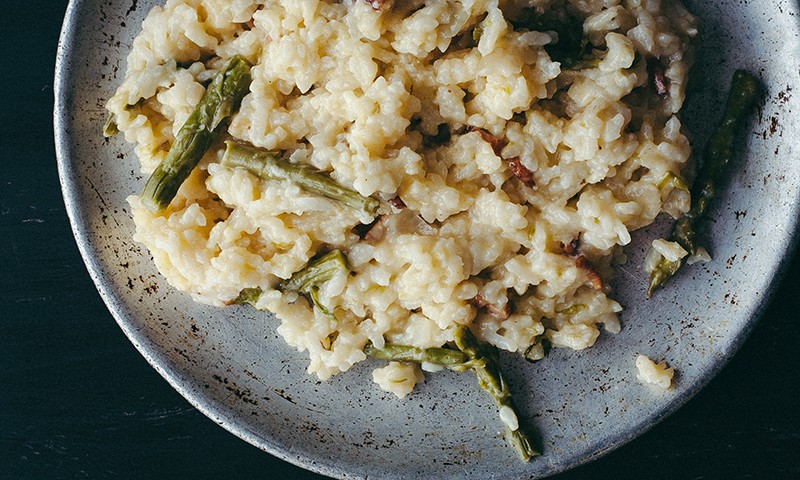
[658,374]
[510,168]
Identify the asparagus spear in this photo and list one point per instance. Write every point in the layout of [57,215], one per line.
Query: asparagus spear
[221,100]
[248,295]
[718,155]
[306,281]
[110,128]
[471,355]
[484,362]
[317,272]
[269,166]
[446,357]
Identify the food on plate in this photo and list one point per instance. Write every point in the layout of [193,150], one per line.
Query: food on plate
[220,100]
[270,166]
[658,374]
[483,360]
[665,258]
[426,182]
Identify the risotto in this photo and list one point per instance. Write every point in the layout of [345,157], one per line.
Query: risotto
[512,146]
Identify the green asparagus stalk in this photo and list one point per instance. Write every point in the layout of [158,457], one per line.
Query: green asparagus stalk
[270,166]
[312,276]
[718,155]
[317,272]
[484,362]
[471,355]
[671,179]
[446,357]
[110,128]
[221,100]
[248,295]
[306,281]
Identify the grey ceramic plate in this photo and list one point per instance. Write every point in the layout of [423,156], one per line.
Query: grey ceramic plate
[232,366]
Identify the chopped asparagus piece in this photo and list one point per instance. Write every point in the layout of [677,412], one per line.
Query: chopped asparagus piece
[406,353]
[743,94]
[312,276]
[586,63]
[317,272]
[110,128]
[674,180]
[306,281]
[248,295]
[483,361]
[221,100]
[471,355]
[535,352]
[269,165]
[573,309]
[477,33]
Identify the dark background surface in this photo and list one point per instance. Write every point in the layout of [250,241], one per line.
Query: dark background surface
[78,401]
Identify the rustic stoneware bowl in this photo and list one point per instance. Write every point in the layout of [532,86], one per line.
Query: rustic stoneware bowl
[232,366]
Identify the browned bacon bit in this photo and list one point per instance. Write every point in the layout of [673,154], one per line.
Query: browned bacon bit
[571,249]
[397,203]
[659,78]
[584,264]
[498,144]
[500,313]
[478,301]
[375,4]
[521,172]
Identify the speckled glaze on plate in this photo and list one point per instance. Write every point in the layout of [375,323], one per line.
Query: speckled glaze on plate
[232,366]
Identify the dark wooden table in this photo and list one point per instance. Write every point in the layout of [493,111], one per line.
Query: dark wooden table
[77,401]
